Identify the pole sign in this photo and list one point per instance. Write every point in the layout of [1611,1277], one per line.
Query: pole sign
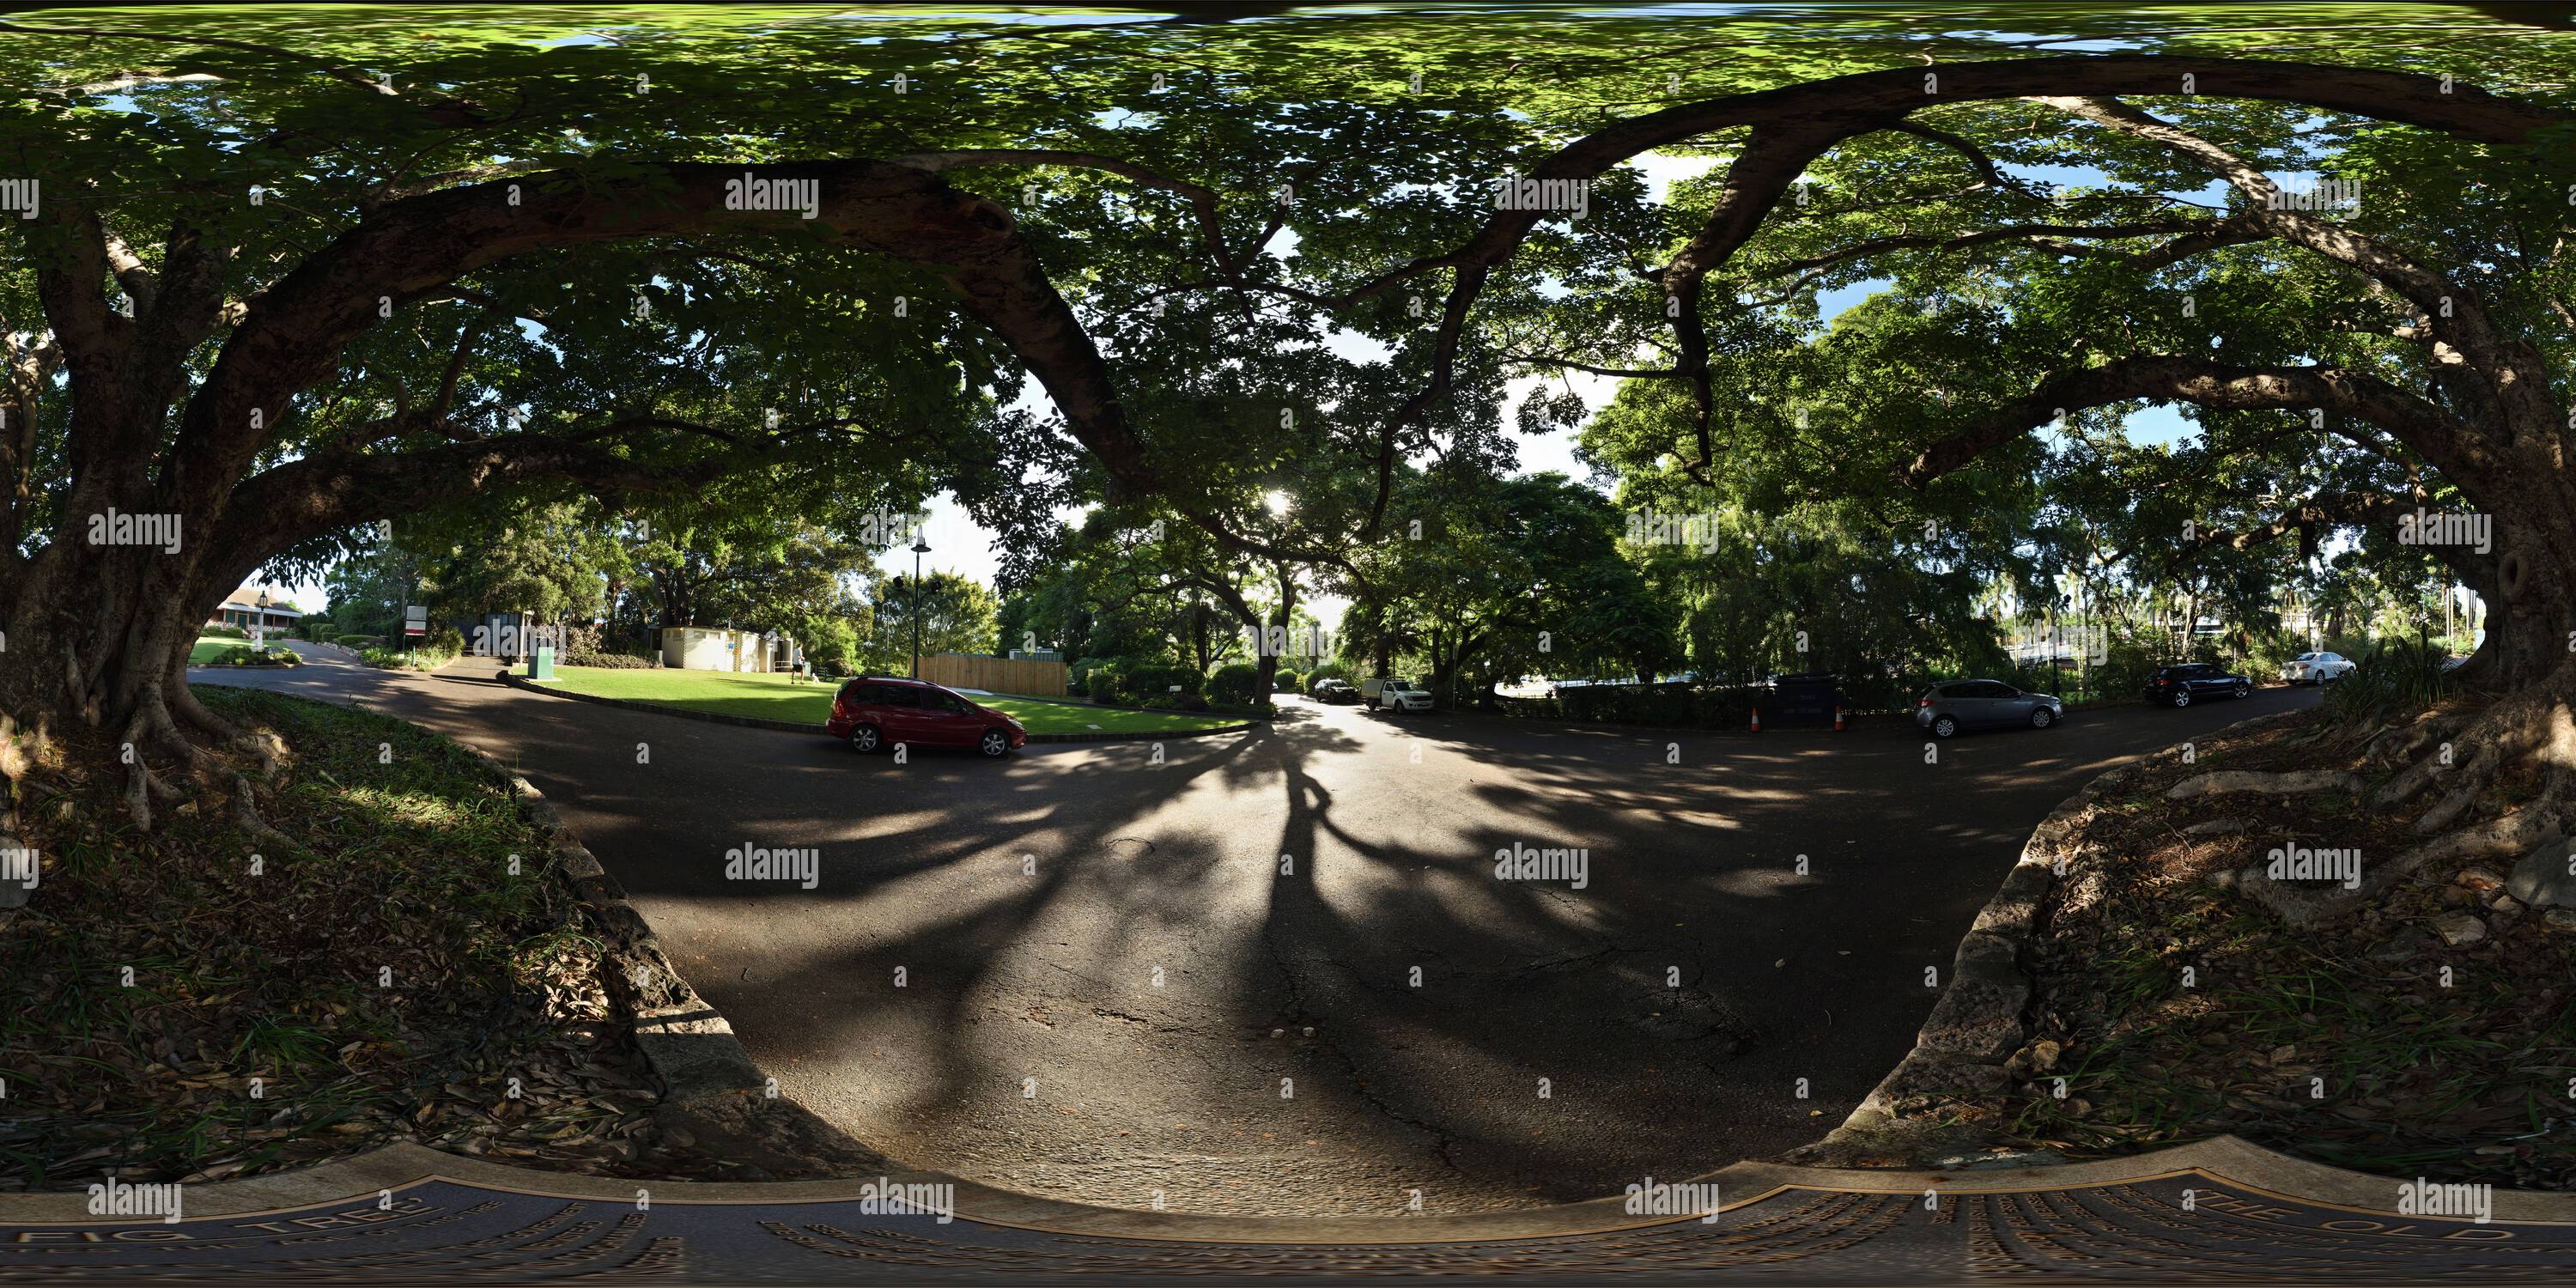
[415,620]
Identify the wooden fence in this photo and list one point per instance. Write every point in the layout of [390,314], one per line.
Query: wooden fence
[997,674]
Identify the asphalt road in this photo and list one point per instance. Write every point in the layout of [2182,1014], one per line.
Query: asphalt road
[1276,973]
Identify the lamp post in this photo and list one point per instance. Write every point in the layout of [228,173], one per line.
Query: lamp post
[920,547]
[259,629]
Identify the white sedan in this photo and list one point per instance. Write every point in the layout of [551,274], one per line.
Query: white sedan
[2315,668]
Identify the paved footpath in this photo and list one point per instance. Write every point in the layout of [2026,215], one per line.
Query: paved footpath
[2217,1211]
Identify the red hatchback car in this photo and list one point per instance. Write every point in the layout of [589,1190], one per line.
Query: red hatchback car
[875,713]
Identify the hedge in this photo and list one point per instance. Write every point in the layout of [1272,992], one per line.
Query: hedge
[1235,684]
[613,661]
[1153,681]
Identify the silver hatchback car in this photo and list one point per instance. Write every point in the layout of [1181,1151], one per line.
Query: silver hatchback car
[1945,709]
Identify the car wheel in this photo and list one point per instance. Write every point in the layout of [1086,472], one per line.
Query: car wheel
[2042,718]
[2245,690]
[866,739]
[1944,726]
[2182,697]
[994,743]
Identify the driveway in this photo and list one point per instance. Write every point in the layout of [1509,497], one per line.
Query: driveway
[1276,972]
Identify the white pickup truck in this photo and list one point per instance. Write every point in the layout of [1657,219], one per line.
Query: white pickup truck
[1401,696]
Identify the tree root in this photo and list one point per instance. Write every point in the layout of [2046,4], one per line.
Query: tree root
[2474,779]
[2504,734]
[246,815]
[142,786]
[2535,726]
[2514,833]
[2397,744]
[152,726]
[260,743]
[2293,783]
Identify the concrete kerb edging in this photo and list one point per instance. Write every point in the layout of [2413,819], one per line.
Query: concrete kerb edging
[1982,1019]
[2223,1159]
[799,726]
[711,1086]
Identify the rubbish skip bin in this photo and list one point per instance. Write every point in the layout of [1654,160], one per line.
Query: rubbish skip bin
[1805,698]
[542,666]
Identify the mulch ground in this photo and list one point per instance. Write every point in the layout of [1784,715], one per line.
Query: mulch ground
[185,1007]
[2175,1008]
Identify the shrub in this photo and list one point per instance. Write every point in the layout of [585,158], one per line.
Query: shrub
[1101,684]
[443,639]
[1328,671]
[1287,682]
[1192,702]
[226,632]
[1234,685]
[2395,675]
[613,661]
[1152,681]
[237,656]
[420,657]
[1671,705]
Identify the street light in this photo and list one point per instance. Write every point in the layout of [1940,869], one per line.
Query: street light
[920,547]
[259,630]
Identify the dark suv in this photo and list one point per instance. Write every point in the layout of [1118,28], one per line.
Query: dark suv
[1335,691]
[876,712]
[2182,685]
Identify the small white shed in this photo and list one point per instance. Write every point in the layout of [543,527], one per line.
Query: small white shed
[713,648]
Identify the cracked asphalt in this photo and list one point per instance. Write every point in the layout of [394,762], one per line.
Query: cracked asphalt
[1276,973]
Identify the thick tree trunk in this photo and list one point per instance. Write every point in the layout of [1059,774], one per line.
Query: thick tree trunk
[2530,591]
[1265,665]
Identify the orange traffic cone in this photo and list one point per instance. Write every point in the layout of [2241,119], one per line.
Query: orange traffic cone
[1757,719]
[1838,717]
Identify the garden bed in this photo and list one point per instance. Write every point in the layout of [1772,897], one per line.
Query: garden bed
[2433,1033]
[388,978]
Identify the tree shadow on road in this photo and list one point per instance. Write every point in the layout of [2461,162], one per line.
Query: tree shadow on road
[1118,927]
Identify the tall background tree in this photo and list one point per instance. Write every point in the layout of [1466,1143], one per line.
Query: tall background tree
[953,613]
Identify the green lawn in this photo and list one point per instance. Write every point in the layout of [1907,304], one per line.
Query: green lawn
[210,647]
[777,697]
